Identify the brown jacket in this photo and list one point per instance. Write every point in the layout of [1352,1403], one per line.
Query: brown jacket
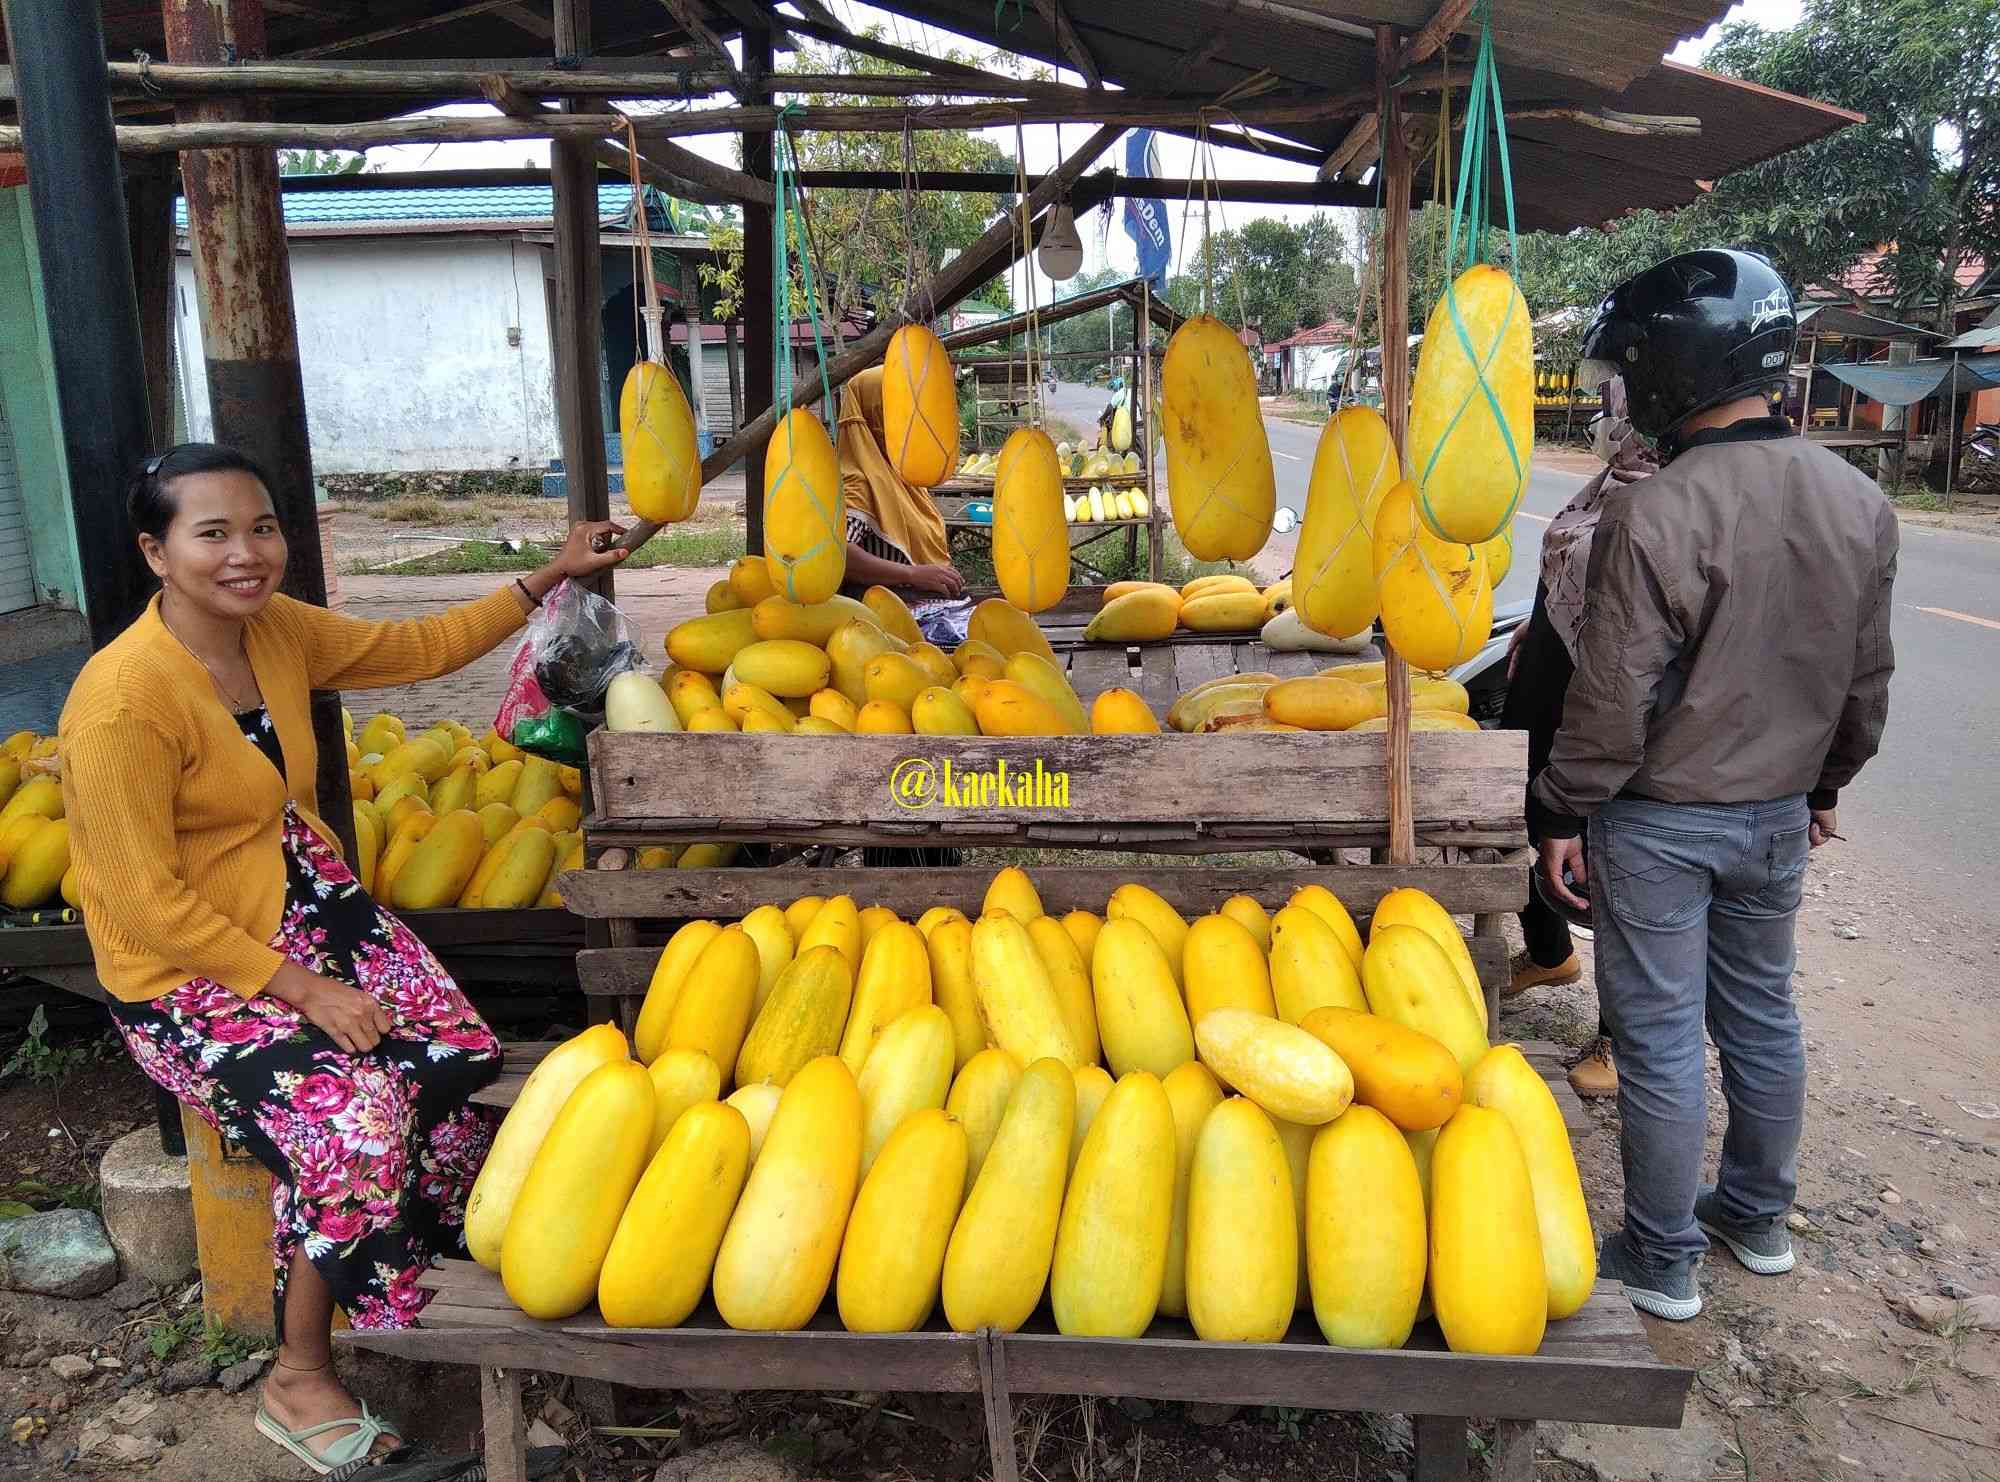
[1735,642]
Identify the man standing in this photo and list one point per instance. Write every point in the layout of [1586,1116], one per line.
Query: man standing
[1732,674]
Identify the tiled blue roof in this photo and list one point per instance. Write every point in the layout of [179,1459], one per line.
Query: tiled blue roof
[431,203]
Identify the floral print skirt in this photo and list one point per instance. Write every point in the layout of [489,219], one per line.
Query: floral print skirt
[372,1157]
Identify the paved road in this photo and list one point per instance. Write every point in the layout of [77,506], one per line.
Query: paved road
[1924,812]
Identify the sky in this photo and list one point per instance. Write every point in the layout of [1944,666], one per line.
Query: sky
[1040,148]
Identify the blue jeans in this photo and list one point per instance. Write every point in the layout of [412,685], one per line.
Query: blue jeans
[1694,907]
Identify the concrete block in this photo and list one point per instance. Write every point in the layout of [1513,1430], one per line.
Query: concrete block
[147,1208]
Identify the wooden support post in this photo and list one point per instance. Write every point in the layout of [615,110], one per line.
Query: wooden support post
[1491,926]
[1395,289]
[149,219]
[506,1427]
[1512,1458]
[999,1405]
[758,309]
[1142,427]
[86,264]
[1442,1455]
[579,326]
[250,332]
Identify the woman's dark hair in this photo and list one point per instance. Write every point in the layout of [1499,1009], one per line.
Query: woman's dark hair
[149,502]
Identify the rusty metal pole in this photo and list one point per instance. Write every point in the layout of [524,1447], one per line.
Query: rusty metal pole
[250,334]
[757,307]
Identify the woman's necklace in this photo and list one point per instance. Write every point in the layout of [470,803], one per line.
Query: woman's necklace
[236,705]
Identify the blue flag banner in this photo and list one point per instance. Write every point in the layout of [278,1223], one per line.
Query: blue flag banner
[1146,219]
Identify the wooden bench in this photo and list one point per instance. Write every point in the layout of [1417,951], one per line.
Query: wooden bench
[1596,1367]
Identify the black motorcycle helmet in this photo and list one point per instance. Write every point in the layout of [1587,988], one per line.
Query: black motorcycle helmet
[1691,333]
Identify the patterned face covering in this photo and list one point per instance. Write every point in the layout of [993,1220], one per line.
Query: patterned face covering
[1566,545]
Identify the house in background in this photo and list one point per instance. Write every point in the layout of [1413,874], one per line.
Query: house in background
[1312,359]
[424,304]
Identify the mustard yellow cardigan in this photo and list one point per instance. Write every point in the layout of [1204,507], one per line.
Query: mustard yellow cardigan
[176,821]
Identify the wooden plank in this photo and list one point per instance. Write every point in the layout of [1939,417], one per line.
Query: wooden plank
[1442,1455]
[998,1402]
[1472,778]
[505,1424]
[1595,1367]
[685,894]
[1159,682]
[1098,668]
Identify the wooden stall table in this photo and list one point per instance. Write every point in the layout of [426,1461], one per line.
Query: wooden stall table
[965,534]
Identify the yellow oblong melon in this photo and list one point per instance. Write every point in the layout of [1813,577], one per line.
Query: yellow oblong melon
[1277,1065]
[1487,1278]
[978,1098]
[576,1191]
[1004,627]
[997,1264]
[1242,1229]
[919,407]
[521,1135]
[1310,968]
[1408,978]
[657,435]
[660,1258]
[1223,612]
[785,667]
[937,711]
[1437,602]
[1140,1016]
[1408,1077]
[1224,967]
[892,1256]
[1504,1082]
[801,1020]
[1143,615]
[681,1079]
[805,511]
[1421,720]
[908,1071]
[709,644]
[1365,1231]
[1192,1094]
[712,1009]
[1333,571]
[1219,472]
[1499,555]
[1320,702]
[1122,712]
[949,943]
[1409,906]
[1111,1243]
[1472,407]
[1030,535]
[778,1254]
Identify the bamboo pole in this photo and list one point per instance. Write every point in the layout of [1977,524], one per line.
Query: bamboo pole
[1397,171]
[957,278]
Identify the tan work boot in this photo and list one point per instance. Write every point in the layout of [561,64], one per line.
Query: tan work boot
[1595,1075]
[1525,973]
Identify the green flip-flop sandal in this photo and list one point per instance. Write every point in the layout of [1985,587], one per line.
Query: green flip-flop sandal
[363,1430]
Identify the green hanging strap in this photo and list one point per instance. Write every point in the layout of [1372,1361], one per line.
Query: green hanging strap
[786,207]
[1472,211]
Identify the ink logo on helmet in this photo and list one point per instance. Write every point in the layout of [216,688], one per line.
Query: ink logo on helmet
[1773,306]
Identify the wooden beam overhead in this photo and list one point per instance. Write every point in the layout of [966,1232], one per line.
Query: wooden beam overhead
[688,13]
[666,164]
[1434,34]
[1052,11]
[407,27]
[1362,136]
[902,56]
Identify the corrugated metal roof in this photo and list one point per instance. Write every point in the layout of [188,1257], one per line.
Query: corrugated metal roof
[486,205]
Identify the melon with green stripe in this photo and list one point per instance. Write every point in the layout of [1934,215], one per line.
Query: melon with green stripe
[1472,409]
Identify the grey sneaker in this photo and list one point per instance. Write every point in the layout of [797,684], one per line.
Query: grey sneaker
[1766,1250]
[1669,1294]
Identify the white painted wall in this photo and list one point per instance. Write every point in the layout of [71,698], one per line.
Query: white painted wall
[404,346]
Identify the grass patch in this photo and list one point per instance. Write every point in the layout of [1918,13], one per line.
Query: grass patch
[711,547]
[1916,497]
[1310,409]
[412,512]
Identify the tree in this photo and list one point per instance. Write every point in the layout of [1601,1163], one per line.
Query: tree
[1273,275]
[1921,176]
[322,162]
[873,248]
